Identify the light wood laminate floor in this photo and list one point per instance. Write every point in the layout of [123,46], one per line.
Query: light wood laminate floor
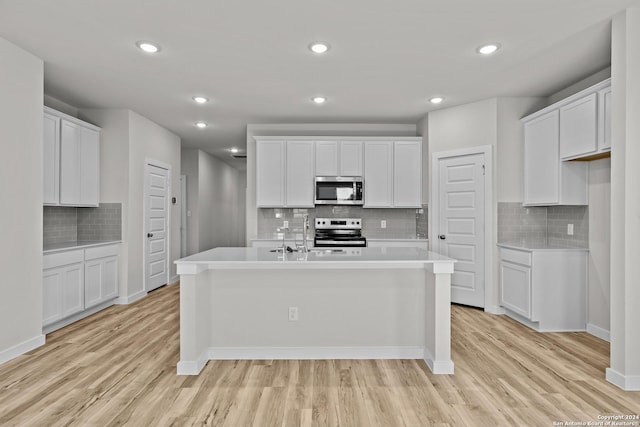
[118,367]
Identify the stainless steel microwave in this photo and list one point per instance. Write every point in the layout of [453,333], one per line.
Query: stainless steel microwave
[339,190]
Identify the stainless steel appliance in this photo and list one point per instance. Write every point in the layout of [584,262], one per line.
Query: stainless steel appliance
[339,232]
[339,190]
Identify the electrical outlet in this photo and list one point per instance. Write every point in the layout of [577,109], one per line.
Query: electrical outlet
[285,224]
[293,314]
[570,229]
[383,223]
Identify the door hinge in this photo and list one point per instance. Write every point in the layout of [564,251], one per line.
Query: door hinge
[483,170]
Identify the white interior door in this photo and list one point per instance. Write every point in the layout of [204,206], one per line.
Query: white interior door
[459,231]
[156,212]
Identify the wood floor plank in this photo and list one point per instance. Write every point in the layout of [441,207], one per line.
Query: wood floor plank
[118,367]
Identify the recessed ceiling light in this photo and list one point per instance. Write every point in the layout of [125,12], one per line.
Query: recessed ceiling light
[201,99]
[489,48]
[436,100]
[148,47]
[319,47]
[234,150]
[319,99]
[201,125]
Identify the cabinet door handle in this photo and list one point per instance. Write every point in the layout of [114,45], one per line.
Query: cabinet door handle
[149,234]
[442,237]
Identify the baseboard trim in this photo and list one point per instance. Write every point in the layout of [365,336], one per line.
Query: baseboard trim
[22,348]
[439,367]
[193,367]
[625,382]
[78,316]
[599,332]
[280,353]
[494,309]
[174,280]
[131,298]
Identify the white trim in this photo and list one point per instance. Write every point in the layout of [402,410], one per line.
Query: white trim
[336,138]
[131,298]
[152,162]
[183,215]
[599,332]
[489,204]
[78,316]
[494,309]
[193,367]
[625,382]
[440,367]
[22,348]
[174,279]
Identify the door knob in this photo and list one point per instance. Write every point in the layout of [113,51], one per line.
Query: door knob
[149,234]
[442,237]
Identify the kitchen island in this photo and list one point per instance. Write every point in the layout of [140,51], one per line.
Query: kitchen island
[355,303]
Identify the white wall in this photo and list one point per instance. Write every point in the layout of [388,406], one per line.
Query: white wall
[21,86]
[328,129]
[189,167]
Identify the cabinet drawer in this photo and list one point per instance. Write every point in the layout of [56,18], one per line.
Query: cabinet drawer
[100,252]
[517,257]
[62,258]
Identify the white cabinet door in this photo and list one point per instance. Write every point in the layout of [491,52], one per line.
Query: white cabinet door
[110,278]
[578,127]
[326,158]
[378,174]
[541,160]
[350,158]
[70,163]
[407,174]
[62,292]
[270,172]
[51,160]
[101,279]
[515,288]
[73,289]
[89,167]
[300,176]
[604,119]
[51,291]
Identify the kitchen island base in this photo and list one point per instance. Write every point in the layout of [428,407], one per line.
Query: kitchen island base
[345,310]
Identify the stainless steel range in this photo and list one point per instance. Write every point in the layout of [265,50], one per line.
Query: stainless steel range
[339,232]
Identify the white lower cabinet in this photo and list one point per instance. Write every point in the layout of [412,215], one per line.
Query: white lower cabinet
[544,289]
[75,281]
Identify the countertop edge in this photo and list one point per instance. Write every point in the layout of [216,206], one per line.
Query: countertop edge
[80,246]
[524,247]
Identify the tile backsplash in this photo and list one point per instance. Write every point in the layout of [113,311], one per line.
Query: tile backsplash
[401,223]
[543,224]
[66,224]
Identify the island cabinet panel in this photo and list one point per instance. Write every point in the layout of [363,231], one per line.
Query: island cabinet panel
[579,127]
[407,174]
[270,173]
[544,288]
[300,177]
[378,174]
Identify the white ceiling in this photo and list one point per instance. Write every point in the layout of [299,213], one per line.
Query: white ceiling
[251,58]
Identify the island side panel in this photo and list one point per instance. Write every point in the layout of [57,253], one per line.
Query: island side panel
[437,352]
[195,322]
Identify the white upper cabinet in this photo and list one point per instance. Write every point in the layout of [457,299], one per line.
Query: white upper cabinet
[407,174]
[270,170]
[285,172]
[300,177]
[378,174]
[326,158]
[338,158]
[71,167]
[604,119]
[51,160]
[547,180]
[579,127]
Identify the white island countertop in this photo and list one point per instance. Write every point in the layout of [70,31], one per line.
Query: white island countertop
[363,258]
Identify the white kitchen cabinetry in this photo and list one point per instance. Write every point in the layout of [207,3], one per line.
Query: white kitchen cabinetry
[71,167]
[579,127]
[338,158]
[285,173]
[547,180]
[407,174]
[604,119]
[378,174]
[62,285]
[544,289]
[51,160]
[300,177]
[101,275]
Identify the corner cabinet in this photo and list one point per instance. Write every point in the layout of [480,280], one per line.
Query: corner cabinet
[71,161]
[285,173]
[544,289]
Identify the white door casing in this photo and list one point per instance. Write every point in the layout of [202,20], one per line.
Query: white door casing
[461,203]
[183,216]
[156,222]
